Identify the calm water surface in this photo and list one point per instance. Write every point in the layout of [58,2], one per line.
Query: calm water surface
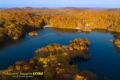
[105,58]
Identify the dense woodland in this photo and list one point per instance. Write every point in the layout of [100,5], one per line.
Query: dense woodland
[14,23]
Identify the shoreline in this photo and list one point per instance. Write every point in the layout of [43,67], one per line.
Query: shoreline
[55,57]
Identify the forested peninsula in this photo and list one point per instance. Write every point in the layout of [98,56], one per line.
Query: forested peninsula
[53,62]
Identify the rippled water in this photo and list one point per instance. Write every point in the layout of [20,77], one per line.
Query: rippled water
[105,58]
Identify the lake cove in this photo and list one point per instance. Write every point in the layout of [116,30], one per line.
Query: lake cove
[104,61]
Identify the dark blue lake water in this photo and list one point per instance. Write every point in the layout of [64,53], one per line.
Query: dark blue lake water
[105,58]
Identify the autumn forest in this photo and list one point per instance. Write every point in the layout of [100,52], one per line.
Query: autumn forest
[14,23]
[57,55]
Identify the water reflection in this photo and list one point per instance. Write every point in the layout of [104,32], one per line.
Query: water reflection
[65,30]
[118,50]
[78,59]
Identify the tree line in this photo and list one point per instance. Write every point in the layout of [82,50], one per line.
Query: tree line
[14,23]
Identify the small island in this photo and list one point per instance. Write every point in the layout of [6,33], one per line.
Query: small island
[33,33]
[54,61]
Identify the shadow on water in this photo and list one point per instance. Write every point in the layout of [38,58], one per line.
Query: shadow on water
[80,58]
[117,36]
[9,42]
[118,50]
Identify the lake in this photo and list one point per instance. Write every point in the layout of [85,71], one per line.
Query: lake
[105,57]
